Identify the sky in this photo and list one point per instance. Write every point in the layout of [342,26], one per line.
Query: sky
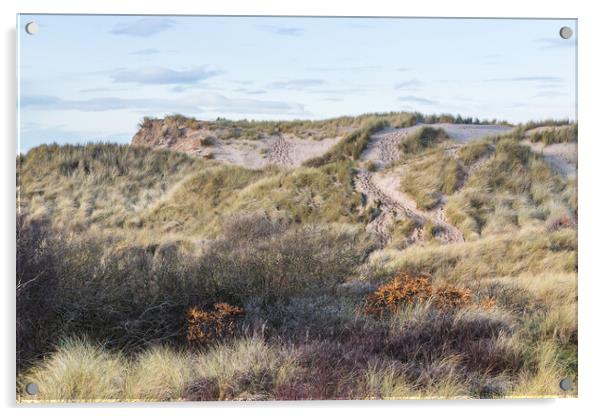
[93,78]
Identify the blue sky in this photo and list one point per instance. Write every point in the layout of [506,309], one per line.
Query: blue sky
[90,78]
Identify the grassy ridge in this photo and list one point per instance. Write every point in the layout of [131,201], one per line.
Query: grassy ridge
[315,129]
[306,195]
[104,185]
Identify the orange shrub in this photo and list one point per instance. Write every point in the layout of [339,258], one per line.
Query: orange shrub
[403,289]
[452,297]
[488,303]
[205,326]
[406,289]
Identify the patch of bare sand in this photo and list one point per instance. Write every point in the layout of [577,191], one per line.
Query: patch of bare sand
[282,150]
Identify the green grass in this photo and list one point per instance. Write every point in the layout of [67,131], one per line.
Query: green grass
[472,152]
[199,199]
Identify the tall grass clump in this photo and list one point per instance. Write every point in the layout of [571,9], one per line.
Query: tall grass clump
[158,374]
[246,368]
[421,139]
[474,151]
[77,371]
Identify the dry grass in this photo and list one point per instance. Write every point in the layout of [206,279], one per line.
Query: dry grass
[116,244]
[246,369]
[514,189]
[105,186]
[78,371]
[158,374]
[421,139]
[430,177]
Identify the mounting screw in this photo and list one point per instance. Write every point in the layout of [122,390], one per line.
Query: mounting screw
[566,384]
[31,389]
[566,32]
[32,28]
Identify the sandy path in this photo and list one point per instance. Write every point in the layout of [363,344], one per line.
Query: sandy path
[394,205]
[383,186]
[383,147]
[389,209]
[280,152]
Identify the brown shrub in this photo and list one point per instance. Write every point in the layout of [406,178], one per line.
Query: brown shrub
[405,289]
[205,326]
[452,297]
[488,303]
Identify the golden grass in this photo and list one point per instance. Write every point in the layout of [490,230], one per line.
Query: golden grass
[545,380]
[388,384]
[527,251]
[429,177]
[246,368]
[513,190]
[78,371]
[158,374]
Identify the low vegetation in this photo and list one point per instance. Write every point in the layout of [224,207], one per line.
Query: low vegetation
[352,145]
[552,135]
[421,139]
[513,189]
[148,274]
[430,177]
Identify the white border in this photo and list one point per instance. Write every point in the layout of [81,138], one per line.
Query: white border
[590,276]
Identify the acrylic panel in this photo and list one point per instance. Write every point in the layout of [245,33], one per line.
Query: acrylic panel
[295,208]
